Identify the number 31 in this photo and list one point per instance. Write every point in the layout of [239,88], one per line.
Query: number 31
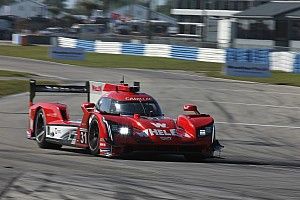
[83,137]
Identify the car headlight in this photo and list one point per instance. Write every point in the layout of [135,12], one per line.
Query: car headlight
[124,130]
[206,131]
[119,129]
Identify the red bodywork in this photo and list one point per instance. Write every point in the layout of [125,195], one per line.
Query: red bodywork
[155,134]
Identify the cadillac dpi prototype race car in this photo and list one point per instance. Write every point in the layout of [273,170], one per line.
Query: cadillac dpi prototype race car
[118,119]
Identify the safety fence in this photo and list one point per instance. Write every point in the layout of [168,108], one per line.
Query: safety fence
[282,61]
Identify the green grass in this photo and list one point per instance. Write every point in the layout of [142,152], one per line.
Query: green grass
[8,87]
[125,61]
[112,61]
[6,73]
[277,78]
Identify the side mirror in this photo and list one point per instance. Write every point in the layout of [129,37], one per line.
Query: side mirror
[136,116]
[87,107]
[191,107]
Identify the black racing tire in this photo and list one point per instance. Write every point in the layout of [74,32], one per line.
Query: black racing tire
[94,137]
[40,132]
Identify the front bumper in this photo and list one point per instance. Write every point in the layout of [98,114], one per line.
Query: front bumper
[126,145]
[116,151]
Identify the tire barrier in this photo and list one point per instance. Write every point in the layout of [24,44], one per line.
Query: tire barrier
[133,49]
[282,61]
[154,50]
[88,46]
[184,53]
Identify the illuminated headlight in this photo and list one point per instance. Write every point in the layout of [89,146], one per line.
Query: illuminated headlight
[206,131]
[124,131]
[119,129]
[202,132]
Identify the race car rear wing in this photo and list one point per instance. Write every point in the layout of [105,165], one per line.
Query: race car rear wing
[93,89]
[34,88]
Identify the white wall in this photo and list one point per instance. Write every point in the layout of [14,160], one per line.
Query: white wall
[294,45]
[224,33]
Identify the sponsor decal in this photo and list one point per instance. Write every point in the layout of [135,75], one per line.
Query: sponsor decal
[96,88]
[104,150]
[163,134]
[64,133]
[138,98]
[64,53]
[54,132]
[102,144]
[159,125]
[160,132]
[166,138]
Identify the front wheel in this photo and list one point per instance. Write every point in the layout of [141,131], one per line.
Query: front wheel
[40,132]
[94,137]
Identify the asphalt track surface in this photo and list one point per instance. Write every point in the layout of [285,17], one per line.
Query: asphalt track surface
[258,124]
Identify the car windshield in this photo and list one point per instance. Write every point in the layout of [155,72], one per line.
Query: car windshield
[150,109]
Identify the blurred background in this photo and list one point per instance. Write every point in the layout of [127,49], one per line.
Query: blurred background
[199,23]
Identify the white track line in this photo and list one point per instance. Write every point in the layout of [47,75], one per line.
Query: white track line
[232,90]
[233,103]
[260,125]
[230,80]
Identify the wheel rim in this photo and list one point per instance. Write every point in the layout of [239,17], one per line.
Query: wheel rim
[94,137]
[40,130]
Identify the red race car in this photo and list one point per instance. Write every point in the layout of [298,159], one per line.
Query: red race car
[118,119]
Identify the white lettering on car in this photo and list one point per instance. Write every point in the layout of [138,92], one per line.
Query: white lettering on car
[138,99]
[160,132]
[159,125]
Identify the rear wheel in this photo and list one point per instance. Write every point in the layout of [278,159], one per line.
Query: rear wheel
[94,137]
[40,132]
